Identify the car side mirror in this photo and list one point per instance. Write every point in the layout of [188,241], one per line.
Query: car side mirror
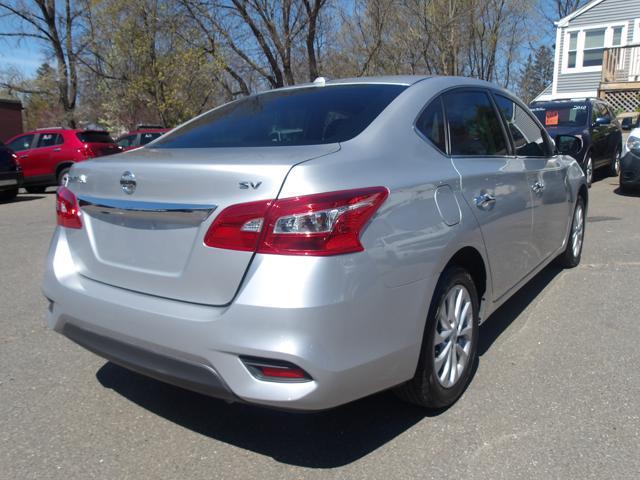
[602,121]
[568,145]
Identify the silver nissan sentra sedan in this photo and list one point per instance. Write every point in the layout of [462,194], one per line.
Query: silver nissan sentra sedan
[307,246]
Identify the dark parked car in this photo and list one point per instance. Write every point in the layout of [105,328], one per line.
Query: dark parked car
[629,121]
[594,121]
[630,163]
[46,155]
[10,174]
[140,137]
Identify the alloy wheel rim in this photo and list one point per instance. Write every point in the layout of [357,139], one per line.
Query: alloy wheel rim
[589,170]
[454,330]
[577,233]
[64,180]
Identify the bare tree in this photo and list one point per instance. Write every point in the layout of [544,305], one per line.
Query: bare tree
[54,24]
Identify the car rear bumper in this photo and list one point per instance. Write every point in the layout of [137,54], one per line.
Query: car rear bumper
[10,180]
[354,336]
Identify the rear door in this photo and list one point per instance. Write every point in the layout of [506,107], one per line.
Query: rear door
[494,184]
[546,177]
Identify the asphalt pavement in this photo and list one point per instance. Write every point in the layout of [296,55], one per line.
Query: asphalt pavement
[556,393]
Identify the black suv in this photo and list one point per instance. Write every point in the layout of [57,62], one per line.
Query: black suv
[590,119]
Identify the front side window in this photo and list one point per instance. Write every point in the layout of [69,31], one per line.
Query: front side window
[431,124]
[299,116]
[474,125]
[528,139]
[21,143]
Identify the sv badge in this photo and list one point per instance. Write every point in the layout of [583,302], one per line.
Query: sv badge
[247,185]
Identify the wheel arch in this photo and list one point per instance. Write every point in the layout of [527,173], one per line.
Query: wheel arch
[61,166]
[473,262]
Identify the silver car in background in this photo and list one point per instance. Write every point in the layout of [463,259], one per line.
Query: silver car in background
[308,246]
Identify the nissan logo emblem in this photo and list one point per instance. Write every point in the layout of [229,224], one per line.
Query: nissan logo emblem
[128,182]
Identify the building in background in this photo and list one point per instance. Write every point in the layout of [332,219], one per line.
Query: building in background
[598,54]
[10,118]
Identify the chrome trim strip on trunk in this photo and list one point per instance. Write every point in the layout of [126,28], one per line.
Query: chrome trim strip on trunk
[145,215]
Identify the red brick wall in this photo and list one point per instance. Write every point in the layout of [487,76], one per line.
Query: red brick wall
[10,119]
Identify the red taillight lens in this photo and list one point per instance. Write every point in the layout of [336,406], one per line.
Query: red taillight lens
[320,225]
[238,227]
[275,370]
[67,209]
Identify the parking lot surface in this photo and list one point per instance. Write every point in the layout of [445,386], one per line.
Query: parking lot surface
[556,394]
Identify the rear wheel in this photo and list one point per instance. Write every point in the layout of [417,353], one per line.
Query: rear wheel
[63,177]
[614,168]
[36,189]
[571,256]
[588,169]
[8,195]
[449,345]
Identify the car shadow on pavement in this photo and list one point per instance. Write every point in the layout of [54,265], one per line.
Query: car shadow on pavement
[23,198]
[509,311]
[627,193]
[327,439]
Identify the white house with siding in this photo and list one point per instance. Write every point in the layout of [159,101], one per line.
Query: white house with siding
[598,54]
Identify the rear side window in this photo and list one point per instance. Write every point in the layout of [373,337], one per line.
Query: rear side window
[49,139]
[21,143]
[474,125]
[94,137]
[431,124]
[301,116]
[528,138]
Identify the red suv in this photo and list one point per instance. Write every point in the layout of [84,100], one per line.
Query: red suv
[140,137]
[46,154]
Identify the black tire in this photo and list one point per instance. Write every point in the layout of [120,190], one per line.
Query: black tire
[614,166]
[61,175]
[424,389]
[569,258]
[588,169]
[8,195]
[36,189]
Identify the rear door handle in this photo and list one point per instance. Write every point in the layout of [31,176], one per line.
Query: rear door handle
[485,200]
[24,156]
[538,187]
[57,149]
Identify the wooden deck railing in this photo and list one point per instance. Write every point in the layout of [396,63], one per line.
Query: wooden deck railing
[621,64]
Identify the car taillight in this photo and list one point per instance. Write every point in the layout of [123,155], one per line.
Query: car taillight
[321,224]
[67,209]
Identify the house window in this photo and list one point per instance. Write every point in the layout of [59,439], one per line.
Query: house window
[617,37]
[586,46]
[593,47]
[573,49]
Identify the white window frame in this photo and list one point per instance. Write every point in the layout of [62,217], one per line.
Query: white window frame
[608,43]
[636,30]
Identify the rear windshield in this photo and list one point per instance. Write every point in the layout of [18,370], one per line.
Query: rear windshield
[561,115]
[94,137]
[305,116]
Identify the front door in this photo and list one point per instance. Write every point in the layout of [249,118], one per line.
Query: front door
[545,177]
[493,183]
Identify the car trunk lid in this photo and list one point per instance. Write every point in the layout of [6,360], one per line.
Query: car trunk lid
[151,239]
